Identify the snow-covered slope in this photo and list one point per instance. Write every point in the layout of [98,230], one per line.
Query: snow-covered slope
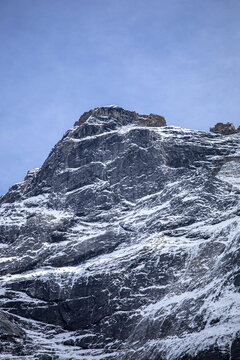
[124,245]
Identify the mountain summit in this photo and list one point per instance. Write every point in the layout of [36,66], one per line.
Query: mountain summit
[124,245]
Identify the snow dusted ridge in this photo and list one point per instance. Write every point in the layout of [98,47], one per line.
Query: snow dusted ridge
[124,245]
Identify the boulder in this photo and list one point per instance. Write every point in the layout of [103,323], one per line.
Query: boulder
[224,129]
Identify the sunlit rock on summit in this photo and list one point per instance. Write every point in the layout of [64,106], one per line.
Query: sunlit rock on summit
[124,245]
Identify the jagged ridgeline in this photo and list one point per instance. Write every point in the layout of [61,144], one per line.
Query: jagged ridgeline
[124,245]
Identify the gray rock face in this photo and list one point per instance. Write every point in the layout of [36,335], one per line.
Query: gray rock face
[9,330]
[125,244]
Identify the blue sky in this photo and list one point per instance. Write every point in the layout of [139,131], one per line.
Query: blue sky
[59,58]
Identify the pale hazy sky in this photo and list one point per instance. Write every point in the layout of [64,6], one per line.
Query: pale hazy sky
[59,58]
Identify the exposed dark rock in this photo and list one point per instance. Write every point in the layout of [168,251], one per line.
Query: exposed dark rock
[123,117]
[124,245]
[8,329]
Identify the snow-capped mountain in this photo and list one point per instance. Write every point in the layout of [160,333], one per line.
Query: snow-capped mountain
[124,245]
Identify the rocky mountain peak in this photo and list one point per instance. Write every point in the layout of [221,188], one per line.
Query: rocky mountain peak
[124,245]
[123,116]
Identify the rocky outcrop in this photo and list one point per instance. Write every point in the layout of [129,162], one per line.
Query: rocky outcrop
[125,244]
[124,117]
[151,120]
[225,129]
[8,329]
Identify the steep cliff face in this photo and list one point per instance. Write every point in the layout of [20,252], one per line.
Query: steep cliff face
[124,245]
